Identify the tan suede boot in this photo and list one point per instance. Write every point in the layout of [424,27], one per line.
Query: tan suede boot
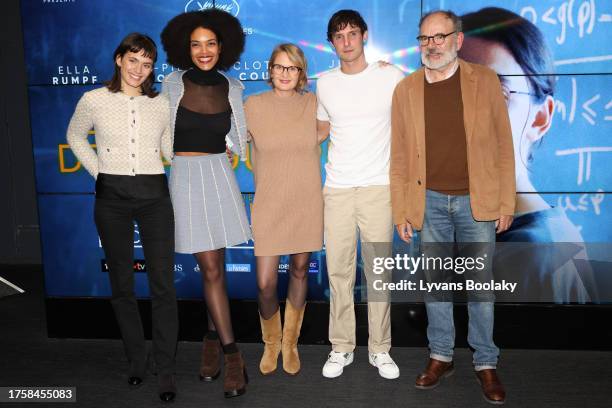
[291,332]
[271,335]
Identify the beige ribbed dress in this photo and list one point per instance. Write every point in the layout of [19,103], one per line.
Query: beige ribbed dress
[287,215]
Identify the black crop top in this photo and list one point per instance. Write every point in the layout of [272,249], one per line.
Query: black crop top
[197,132]
[204,115]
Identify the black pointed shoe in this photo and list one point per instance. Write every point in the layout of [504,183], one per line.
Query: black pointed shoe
[166,386]
[135,381]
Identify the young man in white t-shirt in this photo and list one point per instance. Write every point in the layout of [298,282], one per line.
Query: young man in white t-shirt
[355,104]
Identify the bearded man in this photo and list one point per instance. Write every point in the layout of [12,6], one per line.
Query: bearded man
[452,178]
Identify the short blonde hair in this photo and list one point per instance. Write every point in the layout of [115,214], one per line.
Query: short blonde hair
[296,55]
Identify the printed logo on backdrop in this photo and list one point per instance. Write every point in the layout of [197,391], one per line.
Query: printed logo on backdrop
[255,70]
[140,265]
[238,267]
[313,267]
[230,268]
[73,75]
[137,242]
[231,6]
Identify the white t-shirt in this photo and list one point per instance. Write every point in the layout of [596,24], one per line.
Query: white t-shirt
[358,108]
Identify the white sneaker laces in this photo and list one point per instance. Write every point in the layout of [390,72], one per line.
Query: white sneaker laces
[336,357]
[382,358]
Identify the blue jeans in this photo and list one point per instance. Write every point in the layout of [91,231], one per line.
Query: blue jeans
[449,219]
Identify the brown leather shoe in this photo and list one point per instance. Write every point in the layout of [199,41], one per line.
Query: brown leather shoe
[492,388]
[235,377]
[435,370]
[210,367]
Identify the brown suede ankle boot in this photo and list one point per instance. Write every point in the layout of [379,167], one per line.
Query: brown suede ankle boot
[210,367]
[271,335]
[235,376]
[291,332]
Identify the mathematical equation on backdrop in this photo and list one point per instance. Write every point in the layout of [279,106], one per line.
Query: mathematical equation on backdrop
[578,32]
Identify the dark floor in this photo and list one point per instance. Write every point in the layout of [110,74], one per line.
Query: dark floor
[96,367]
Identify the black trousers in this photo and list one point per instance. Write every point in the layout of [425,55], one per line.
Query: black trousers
[117,206]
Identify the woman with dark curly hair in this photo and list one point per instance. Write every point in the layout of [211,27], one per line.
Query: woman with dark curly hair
[131,186]
[206,116]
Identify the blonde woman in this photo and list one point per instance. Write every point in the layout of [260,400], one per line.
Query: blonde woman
[287,216]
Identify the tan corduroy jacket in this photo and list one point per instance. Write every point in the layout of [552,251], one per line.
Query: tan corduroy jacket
[489,146]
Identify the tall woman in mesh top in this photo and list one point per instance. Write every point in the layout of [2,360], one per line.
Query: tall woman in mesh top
[206,115]
[132,127]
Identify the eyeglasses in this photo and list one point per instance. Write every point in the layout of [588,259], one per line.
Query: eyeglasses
[438,39]
[509,92]
[279,69]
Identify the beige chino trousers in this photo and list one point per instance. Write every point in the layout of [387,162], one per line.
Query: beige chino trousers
[349,214]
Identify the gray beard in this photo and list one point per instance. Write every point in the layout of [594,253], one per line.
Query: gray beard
[447,58]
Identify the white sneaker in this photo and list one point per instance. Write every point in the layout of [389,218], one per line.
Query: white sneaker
[385,364]
[334,366]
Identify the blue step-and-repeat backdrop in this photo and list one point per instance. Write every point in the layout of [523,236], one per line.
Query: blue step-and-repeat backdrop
[563,167]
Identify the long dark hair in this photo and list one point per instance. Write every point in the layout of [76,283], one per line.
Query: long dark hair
[135,42]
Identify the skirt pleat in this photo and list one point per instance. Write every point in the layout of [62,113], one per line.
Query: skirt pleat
[208,208]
